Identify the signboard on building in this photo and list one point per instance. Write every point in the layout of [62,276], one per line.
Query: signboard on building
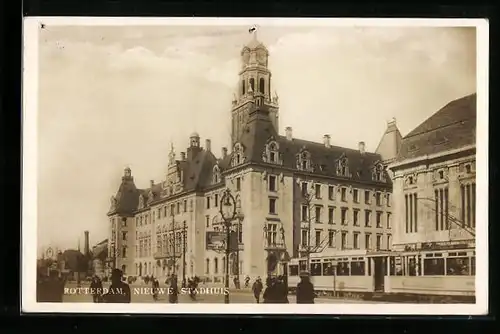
[216,240]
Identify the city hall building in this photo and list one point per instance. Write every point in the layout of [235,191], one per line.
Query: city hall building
[293,196]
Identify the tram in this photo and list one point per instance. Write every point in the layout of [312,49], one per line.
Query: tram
[366,274]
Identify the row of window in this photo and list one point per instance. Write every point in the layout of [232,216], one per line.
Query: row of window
[330,240]
[213,267]
[343,193]
[441,206]
[344,216]
[162,212]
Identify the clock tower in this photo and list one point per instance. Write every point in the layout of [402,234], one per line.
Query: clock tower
[254,88]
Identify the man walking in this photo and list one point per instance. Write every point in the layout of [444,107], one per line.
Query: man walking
[257,289]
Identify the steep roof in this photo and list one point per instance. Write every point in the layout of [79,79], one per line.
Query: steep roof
[127,196]
[452,127]
[389,145]
[259,131]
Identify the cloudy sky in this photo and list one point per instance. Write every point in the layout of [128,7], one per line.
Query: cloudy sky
[111,97]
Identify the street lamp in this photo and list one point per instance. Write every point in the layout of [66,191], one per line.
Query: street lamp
[228,213]
[240,216]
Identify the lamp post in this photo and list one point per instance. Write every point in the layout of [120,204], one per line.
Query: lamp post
[228,213]
[184,254]
[240,216]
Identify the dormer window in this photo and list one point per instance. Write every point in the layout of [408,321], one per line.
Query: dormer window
[468,168]
[238,157]
[343,166]
[441,175]
[216,174]
[378,173]
[304,160]
[271,152]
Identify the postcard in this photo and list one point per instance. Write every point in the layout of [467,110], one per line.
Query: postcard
[178,165]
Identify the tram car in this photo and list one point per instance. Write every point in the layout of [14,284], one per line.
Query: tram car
[367,275]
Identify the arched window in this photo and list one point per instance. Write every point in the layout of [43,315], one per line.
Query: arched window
[261,85]
[207,266]
[271,153]
[343,166]
[238,157]
[224,265]
[216,174]
[243,87]
[304,160]
[216,266]
[252,84]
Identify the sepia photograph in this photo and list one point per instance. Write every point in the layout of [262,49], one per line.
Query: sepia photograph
[204,162]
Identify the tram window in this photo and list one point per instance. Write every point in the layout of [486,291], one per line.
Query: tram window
[457,266]
[358,268]
[473,265]
[433,267]
[327,269]
[294,270]
[343,269]
[316,269]
[302,266]
[412,267]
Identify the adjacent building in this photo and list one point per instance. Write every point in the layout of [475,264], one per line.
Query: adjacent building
[293,196]
[434,192]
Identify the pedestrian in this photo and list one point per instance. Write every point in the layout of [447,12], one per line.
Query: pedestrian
[257,289]
[119,291]
[247,281]
[154,288]
[269,295]
[51,289]
[305,290]
[173,292]
[281,291]
[96,289]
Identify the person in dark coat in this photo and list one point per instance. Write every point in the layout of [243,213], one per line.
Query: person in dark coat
[305,290]
[281,291]
[119,291]
[96,289]
[173,292]
[269,295]
[51,289]
[257,289]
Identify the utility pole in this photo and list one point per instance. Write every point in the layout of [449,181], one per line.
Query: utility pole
[173,243]
[184,241]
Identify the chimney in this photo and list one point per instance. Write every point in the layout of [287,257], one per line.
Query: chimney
[183,156]
[151,183]
[208,145]
[288,133]
[326,140]
[224,152]
[361,147]
[86,247]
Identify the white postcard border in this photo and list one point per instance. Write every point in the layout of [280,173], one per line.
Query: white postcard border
[29,184]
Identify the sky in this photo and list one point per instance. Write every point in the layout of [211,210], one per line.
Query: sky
[117,96]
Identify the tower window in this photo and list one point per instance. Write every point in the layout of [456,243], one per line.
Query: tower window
[261,85]
[243,87]
[252,84]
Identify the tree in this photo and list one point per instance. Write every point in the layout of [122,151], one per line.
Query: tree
[308,209]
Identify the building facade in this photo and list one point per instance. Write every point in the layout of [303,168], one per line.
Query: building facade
[435,194]
[294,197]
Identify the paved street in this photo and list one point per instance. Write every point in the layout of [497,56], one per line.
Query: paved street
[236,296]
